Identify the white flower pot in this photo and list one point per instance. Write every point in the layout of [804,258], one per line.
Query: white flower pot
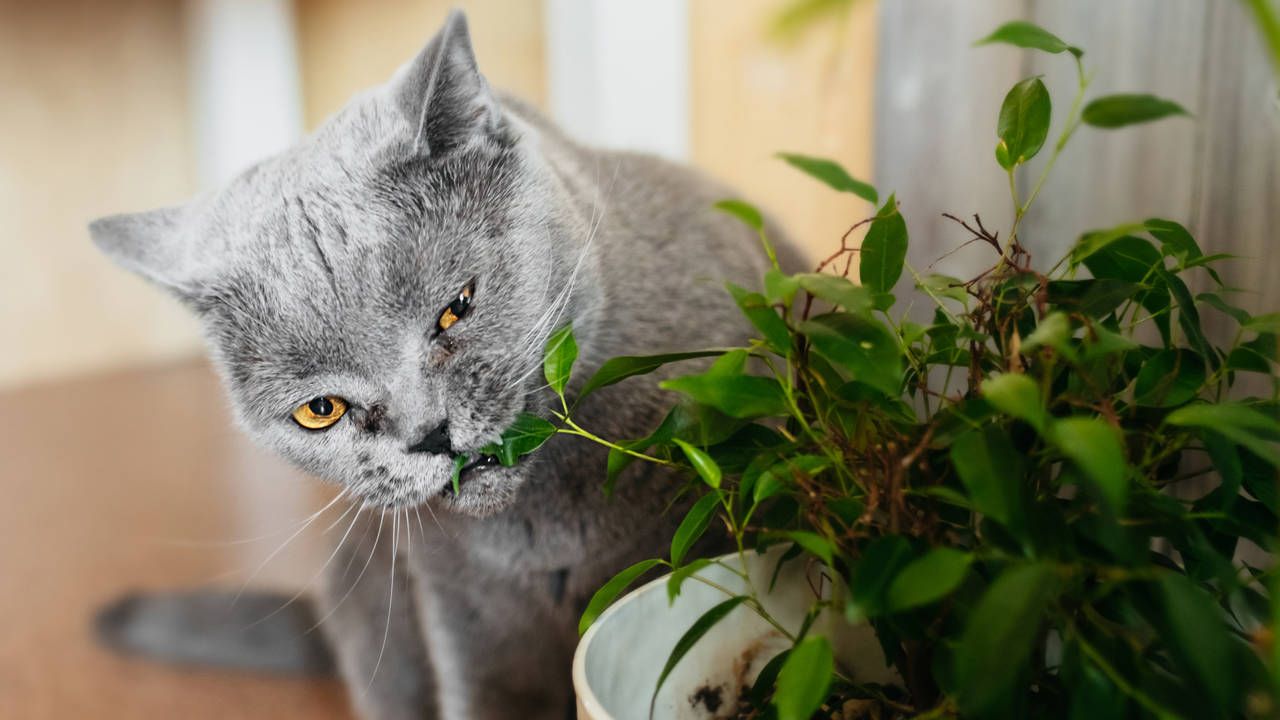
[618,661]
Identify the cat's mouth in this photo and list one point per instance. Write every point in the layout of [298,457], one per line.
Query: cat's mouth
[470,471]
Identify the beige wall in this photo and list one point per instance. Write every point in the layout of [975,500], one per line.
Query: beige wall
[754,96]
[347,46]
[93,119]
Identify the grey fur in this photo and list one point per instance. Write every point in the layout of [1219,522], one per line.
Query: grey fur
[323,271]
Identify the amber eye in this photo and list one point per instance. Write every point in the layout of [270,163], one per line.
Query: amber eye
[456,309]
[320,412]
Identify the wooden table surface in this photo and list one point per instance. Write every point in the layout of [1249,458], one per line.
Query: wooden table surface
[138,480]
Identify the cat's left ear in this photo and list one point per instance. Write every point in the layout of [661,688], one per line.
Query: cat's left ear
[152,244]
[444,96]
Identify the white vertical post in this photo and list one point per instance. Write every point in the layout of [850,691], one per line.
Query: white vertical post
[618,72]
[245,87]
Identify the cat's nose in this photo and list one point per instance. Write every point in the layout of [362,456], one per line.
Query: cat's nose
[436,441]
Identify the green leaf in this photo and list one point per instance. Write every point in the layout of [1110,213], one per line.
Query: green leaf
[558,358]
[928,578]
[1169,378]
[736,395]
[832,174]
[623,367]
[1128,258]
[455,478]
[1094,447]
[1018,396]
[700,627]
[813,543]
[707,468]
[605,596]
[861,345]
[1239,423]
[1175,239]
[764,317]
[1100,342]
[682,573]
[804,679]
[838,291]
[884,249]
[872,574]
[1115,111]
[1247,359]
[525,435]
[1029,35]
[1195,629]
[999,635]
[1216,301]
[992,473]
[1268,323]
[1054,330]
[745,212]
[614,465]
[780,287]
[695,523]
[1095,240]
[1024,123]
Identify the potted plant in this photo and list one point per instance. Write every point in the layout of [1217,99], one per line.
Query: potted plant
[1030,505]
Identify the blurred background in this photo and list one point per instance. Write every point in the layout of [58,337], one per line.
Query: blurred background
[117,461]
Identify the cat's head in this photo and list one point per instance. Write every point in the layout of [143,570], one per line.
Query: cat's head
[377,297]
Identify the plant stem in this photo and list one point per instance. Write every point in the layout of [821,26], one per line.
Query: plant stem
[576,430]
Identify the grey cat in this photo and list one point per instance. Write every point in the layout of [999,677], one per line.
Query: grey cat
[376,300]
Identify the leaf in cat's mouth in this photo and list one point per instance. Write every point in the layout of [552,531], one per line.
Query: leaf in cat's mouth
[525,435]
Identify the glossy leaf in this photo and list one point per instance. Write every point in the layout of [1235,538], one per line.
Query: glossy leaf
[832,174]
[695,523]
[999,634]
[706,468]
[928,578]
[838,291]
[678,577]
[1169,378]
[1195,628]
[1024,123]
[525,435]
[1115,111]
[736,395]
[992,473]
[861,345]
[700,627]
[804,679]
[764,317]
[1029,35]
[557,361]
[746,212]
[1018,396]
[1237,422]
[610,591]
[884,249]
[812,543]
[620,368]
[1094,447]
[872,574]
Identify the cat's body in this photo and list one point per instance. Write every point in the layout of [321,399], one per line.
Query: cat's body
[324,273]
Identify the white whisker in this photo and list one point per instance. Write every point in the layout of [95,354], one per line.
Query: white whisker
[311,581]
[381,517]
[285,544]
[391,594]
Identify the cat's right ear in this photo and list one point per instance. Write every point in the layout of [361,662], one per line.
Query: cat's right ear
[444,96]
[151,244]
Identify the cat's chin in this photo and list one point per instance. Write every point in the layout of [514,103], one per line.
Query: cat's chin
[482,493]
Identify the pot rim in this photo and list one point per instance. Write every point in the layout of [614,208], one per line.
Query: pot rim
[582,688]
